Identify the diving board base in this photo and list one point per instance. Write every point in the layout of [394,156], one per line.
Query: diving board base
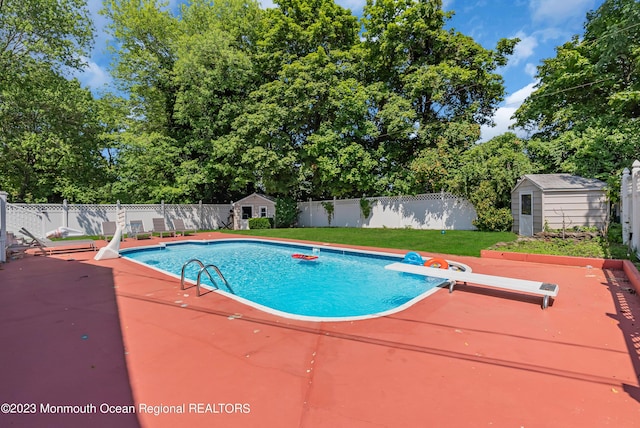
[544,289]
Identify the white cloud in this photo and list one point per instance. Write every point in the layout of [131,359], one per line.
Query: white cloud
[503,116]
[554,11]
[524,49]
[531,69]
[518,97]
[502,119]
[93,76]
[266,4]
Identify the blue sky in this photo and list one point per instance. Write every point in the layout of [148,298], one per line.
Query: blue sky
[540,24]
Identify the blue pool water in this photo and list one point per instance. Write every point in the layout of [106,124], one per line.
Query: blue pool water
[339,284]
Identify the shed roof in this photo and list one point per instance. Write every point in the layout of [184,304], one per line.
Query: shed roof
[562,182]
[260,195]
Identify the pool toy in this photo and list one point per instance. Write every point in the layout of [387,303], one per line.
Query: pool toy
[305,257]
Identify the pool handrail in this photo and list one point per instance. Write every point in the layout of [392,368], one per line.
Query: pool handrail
[203,268]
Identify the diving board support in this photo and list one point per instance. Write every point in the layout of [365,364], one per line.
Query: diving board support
[544,289]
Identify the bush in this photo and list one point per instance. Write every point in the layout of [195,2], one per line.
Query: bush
[260,223]
[614,233]
[492,219]
[286,212]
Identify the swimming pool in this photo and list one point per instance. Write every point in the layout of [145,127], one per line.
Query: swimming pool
[341,284]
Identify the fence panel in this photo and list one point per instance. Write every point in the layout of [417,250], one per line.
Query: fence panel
[630,197]
[42,218]
[426,211]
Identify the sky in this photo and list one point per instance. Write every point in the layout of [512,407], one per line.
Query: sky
[541,25]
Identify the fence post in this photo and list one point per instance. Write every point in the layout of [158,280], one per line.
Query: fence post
[200,215]
[635,206]
[65,213]
[3,226]
[162,209]
[625,196]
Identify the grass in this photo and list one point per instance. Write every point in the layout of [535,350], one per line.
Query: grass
[455,242]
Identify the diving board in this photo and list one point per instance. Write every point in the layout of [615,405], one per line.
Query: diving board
[544,289]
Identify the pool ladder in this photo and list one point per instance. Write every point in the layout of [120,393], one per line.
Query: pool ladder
[204,269]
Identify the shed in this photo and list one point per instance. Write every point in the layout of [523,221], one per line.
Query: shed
[557,201]
[254,205]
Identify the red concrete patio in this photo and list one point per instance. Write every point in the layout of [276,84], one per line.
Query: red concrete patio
[111,337]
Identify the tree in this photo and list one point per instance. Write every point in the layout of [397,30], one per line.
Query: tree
[290,101]
[446,78]
[48,139]
[50,33]
[486,174]
[48,124]
[584,112]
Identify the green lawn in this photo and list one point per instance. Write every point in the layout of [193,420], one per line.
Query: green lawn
[454,242]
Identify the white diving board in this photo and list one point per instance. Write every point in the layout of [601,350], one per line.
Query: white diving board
[544,289]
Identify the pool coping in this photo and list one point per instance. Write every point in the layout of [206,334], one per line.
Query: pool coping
[310,246]
[626,266]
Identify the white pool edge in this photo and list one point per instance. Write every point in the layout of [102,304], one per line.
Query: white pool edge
[288,315]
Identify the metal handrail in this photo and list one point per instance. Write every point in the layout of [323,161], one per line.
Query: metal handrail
[184,266]
[203,268]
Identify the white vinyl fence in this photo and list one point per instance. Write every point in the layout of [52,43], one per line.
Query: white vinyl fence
[426,211]
[42,218]
[630,201]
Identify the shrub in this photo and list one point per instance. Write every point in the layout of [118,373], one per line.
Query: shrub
[260,223]
[286,212]
[492,219]
[614,233]
[329,208]
[365,207]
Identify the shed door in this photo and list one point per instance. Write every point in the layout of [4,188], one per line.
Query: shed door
[526,214]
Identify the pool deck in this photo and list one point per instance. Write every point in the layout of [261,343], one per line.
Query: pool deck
[103,334]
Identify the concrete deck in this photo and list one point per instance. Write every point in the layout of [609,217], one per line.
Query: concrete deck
[112,337]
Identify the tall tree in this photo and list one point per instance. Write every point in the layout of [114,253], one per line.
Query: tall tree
[448,79]
[291,101]
[584,112]
[47,123]
[50,33]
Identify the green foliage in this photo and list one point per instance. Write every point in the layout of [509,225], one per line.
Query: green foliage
[48,124]
[290,101]
[366,206]
[224,98]
[584,112]
[491,219]
[485,175]
[286,212]
[48,33]
[260,223]
[329,207]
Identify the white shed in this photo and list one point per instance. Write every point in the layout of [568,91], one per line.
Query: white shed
[254,205]
[557,201]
